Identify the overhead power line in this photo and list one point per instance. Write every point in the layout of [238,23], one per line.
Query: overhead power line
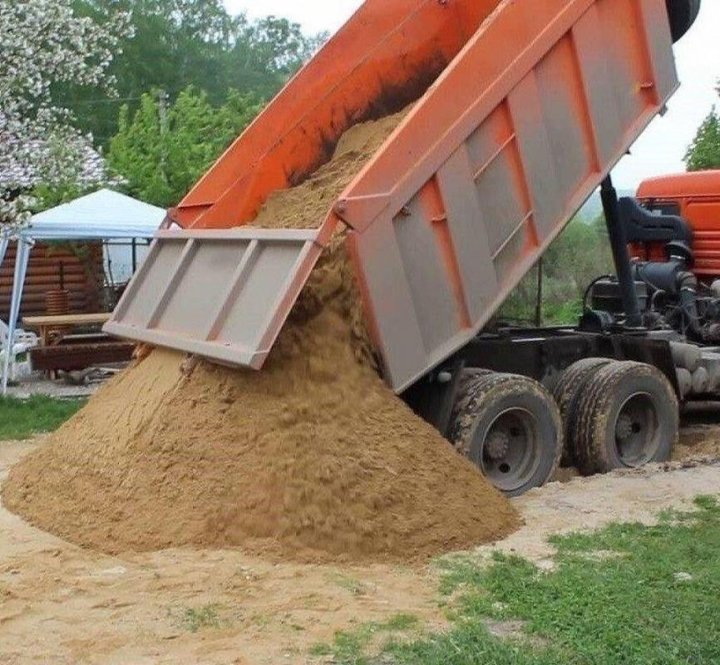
[108,100]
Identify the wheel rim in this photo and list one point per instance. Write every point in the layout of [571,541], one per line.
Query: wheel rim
[637,431]
[509,449]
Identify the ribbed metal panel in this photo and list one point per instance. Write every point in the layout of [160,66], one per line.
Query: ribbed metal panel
[223,295]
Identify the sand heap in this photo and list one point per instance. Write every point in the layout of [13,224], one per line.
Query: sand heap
[313,458]
[306,206]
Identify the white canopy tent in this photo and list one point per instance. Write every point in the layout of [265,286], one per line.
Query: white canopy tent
[103,215]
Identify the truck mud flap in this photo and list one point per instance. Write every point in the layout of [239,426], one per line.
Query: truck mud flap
[222,295]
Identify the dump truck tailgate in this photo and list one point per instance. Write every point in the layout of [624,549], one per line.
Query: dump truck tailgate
[224,295]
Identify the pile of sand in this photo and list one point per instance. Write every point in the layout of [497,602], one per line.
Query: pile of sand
[698,443]
[306,206]
[313,458]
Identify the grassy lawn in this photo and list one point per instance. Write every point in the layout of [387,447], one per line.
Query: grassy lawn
[22,419]
[628,594]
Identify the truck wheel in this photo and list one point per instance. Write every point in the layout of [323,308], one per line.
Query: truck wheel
[567,394]
[682,15]
[510,427]
[627,416]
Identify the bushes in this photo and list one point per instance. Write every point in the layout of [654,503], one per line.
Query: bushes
[162,150]
[578,256]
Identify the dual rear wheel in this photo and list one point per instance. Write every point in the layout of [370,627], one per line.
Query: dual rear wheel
[603,415]
[625,416]
[510,427]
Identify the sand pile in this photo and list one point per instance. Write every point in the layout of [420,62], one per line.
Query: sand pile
[313,458]
[306,206]
[699,442]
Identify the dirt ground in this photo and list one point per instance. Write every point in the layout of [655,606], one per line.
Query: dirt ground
[61,604]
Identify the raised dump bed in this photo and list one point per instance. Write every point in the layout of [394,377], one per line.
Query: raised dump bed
[522,109]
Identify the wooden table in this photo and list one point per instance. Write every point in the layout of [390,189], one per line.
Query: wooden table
[48,326]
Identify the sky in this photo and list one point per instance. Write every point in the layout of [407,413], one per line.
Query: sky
[661,148]
[313,15]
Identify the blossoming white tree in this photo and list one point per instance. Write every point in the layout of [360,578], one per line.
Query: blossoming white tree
[43,44]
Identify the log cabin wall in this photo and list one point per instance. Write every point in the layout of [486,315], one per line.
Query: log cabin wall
[83,277]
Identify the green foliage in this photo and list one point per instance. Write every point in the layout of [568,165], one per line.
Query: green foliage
[704,151]
[628,594]
[161,153]
[267,52]
[47,195]
[22,419]
[181,43]
[578,256]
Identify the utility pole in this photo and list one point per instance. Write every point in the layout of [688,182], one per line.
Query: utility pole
[163,98]
[539,300]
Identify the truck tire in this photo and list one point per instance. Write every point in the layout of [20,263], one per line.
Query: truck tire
[683,14]
[567,394]
[627,417]
[510,427]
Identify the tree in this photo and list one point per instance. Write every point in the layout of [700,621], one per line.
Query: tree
[181,43]
[160,151]
[42,44]
[67,166]
[704,152]
[266,53]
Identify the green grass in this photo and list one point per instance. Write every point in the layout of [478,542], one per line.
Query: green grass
[628,594]
[349,646]
[22,419]
[196,619]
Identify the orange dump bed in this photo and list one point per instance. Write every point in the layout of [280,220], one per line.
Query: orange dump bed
[523,109]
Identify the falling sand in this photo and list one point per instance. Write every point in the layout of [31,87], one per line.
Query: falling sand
[313,458]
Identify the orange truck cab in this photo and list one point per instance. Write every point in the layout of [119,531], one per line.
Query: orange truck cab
[696,198]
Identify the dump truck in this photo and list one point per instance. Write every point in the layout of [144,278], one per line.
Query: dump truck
[520,110]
